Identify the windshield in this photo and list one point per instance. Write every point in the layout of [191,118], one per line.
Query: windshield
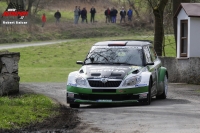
[115,55]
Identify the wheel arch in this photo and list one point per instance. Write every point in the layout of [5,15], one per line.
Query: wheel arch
[162,73]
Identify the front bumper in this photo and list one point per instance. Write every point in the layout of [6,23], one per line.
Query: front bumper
[105,96]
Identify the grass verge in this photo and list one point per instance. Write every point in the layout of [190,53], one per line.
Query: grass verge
[53,63]
[20,111]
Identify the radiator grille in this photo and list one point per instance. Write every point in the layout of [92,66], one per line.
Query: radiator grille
[107,84]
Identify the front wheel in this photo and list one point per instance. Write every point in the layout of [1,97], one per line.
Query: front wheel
[165,89]
[149,93]
[74,105]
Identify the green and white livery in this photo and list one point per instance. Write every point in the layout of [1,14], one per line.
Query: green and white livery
[118,72]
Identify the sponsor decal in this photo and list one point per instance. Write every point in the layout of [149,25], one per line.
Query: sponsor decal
[140,85]
[122,91]
[109,70]
[142,96]
[135,67]
[70,84]
[14,15]
[71,95]
[119,70]
[104,100]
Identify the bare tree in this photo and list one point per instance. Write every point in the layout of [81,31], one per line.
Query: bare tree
[132,4]
[158,7]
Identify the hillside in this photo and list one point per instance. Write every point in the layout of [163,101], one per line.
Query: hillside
[66,29]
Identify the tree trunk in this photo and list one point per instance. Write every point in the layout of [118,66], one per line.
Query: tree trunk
[159,28]
[133,6]
[176,4]
[30,3]
[36,7]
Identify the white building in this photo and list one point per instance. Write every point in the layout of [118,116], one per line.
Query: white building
[188,30]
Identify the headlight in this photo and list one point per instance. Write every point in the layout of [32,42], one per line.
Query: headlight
[81,81]
[132,81]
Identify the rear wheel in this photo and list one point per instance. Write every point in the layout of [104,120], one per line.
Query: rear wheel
[74,105]
[165,89]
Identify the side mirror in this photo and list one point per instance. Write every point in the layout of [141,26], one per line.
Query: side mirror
[152,63]
[79,62]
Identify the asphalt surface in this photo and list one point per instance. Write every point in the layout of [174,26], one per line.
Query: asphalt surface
[29,44]
[179,113]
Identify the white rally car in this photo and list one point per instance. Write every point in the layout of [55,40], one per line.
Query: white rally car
[118,72]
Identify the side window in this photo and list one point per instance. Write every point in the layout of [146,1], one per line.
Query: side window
[147,54]
[153,54]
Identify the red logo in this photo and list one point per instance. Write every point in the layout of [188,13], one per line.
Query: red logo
[15,13]
[15,10]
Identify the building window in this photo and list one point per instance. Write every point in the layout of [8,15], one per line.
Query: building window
[184,38]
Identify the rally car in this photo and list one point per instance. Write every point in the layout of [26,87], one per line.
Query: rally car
[124,71]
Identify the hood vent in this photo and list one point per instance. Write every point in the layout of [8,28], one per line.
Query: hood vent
[116,74]
[81,71]
[135,72]
[95,74]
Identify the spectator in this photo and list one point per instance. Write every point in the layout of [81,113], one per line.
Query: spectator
[57,15]
[43,19]
[115,12]
[84,15]
[122,14]
[112,15]
[76,15]
[130,14]
[92,11]
[107,14]
[79,12]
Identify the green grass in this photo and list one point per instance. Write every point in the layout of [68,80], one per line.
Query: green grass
[53,63]
[16,112]
[170,48]
[65,15]
[3,6]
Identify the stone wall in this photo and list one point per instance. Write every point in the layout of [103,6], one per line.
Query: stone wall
[9,79]
[182,70]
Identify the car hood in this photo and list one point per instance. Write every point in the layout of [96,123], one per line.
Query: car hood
[109,71]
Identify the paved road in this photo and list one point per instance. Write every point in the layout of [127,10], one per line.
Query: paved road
[179,113]
[21,45]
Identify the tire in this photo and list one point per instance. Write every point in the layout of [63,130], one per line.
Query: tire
[165,87]
[149,93]
[74,105]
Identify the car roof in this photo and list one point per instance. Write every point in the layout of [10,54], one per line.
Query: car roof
[126,42]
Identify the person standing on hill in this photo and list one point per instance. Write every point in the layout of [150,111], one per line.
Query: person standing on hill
[92,12]
[122,14]
[107,14]
[112,15]
[57,15]
[43,19]
[115,12]
[84,15]
[130,14]
[76,15]
[79,12]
